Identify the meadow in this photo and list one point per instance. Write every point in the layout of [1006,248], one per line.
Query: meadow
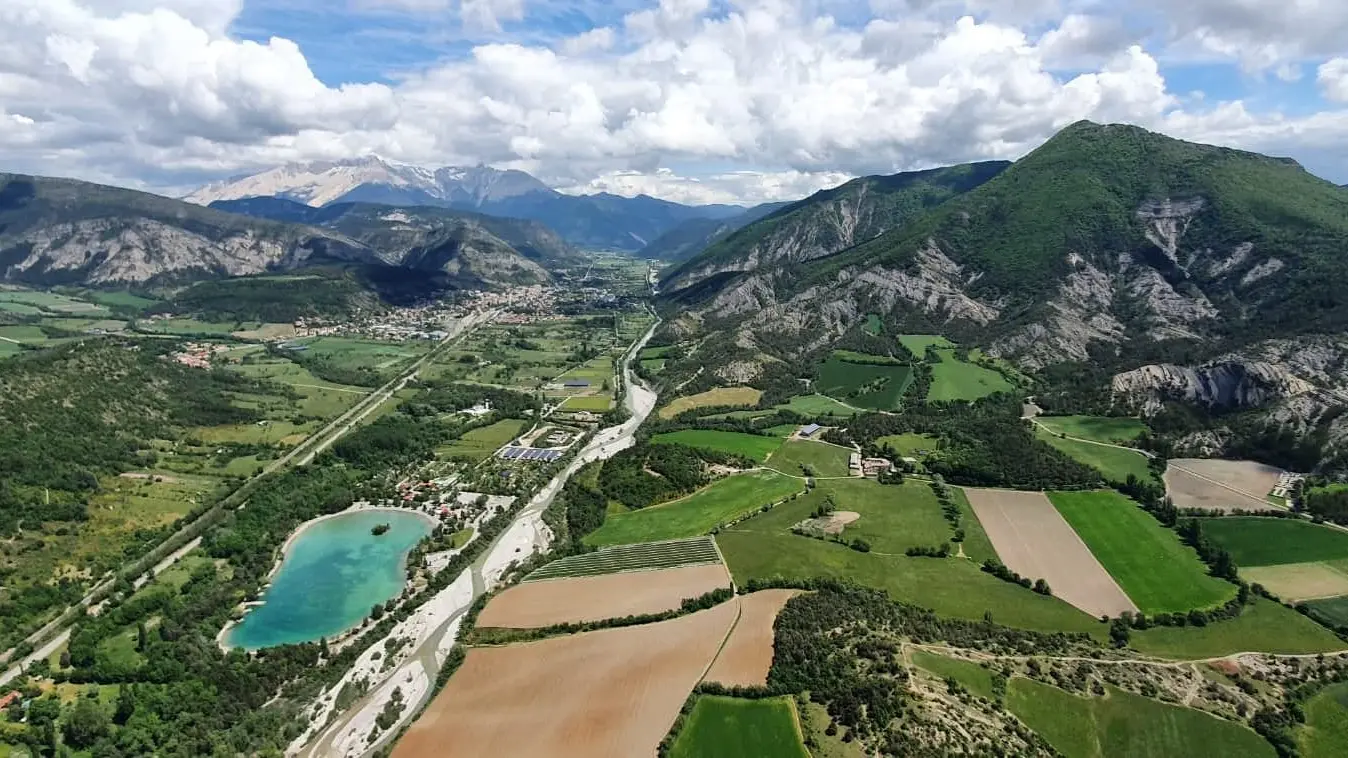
[591,403]
[733,727]
[1099,428]
[480,443]
[1263,625]
[974,677]
[816,405]
[1325,734]
[909,445]
[953,379]
[1158,572]
[1332,611]
[795,457]
[867,385]
[1124,724]
[721,396]
[1254,541]
[917,344]
[750,446]
[1115,463]
[698,513]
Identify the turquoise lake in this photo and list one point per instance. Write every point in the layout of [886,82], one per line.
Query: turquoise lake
[335,572]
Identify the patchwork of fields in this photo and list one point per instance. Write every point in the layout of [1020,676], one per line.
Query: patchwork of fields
[1294,559]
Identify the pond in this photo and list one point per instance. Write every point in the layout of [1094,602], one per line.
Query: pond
[333,572]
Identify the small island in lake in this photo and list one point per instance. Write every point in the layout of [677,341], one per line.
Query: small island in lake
[379,529]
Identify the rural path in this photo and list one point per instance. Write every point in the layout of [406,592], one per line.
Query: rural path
[504,549]
[979,655]
[1041,425]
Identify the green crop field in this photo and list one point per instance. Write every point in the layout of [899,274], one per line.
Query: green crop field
[736,443]
[866,385]
[480,443]
[1115,463]
[722,396]
[120,299]
[1158,572]
[1264,626]
[976,546]
[1325,734]
[816,405]
[188,326]
[734,728]
[974,677]
[8,349]
[908,444]
[1332,611]
[27,334]
[642,556]
[918,343]
[1126,725]
[1098,428]
[1254,541]
[698,513]
[953,379]
[592,403]
[893,518]
[656,352]
[822,458]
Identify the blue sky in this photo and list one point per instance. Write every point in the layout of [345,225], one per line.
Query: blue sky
[695,100]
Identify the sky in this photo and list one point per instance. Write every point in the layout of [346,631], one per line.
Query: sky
[691,100]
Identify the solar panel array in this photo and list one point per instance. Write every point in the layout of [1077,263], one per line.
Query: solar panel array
[530,454]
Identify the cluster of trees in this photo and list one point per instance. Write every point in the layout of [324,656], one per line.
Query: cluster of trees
[331,369]
[1003,572]
[273,299]
[627,477]
[498,636]
[1327,504]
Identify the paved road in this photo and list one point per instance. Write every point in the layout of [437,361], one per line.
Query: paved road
[639,401]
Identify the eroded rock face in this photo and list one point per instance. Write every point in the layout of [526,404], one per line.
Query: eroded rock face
[1227,384]
[1166,221]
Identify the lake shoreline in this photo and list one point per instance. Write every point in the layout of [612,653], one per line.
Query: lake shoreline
[284,553]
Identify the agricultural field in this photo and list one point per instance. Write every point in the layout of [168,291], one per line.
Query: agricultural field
[27,334]
[530,356]
[8,349]
[953,379]
[1124,724]
[1254,541]
[480,443]
[817,405]
[976,545]
[1157,572]
[639,557]
[1332,611]
[1034,540]
[193,326]
[379,356]
[909,445]
[725,727]
[1263,625]
[974,677]
[1220,485]
[745,659]
[1114,462]
[751,446]
[120,299]
[1325,734]
[1294,582]
[51,302]
[917,344]
[607,692]
[591,403]
[535,604]
[698,513]
[877,386]
[821,458]
[1115,429]
[892,518]
[723,396]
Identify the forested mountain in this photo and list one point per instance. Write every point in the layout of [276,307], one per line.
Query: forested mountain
[600,221]
[1183,269]
[692,237]
[58,231]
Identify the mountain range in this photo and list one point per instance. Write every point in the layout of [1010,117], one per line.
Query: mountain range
[1181,269]
[597,222]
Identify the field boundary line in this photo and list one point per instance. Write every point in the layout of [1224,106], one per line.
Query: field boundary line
[739,614]
[1242,493]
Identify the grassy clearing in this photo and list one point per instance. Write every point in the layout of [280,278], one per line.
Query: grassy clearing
[734,727]
[1332,611]
[977,547]
[698,513]
[822,459]
[1325,734]
[1098,428]
[1254,541]
[120,299]
[974,677]
[874,326]
[917,344]
[194,326]
[656,352]
[865,385]
[480,443]
[908,445]
[717,397]
[1124,724]
[1294,582]
[953,379]
[736,443]
[893,518]
[649,555]
[1115,463]
[1158,572]
[823,745]
[1264,626]
[28,334]
[817,405]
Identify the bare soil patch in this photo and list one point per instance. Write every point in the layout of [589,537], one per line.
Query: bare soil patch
[747,655]
[1220,485]
[1034,540]
[614,692]
[834,523]
[1295,582]
[593,598]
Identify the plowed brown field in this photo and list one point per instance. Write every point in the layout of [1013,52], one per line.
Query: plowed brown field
[614,692]
[1034,540]
[747,655]
[593,598]
[1220,485]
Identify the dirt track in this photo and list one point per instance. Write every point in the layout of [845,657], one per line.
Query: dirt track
[1034,540]
[747,655]
[593,598]
[613,692]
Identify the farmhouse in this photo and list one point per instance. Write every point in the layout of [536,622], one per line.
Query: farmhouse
[576,384]
[810,430]
[875,466]
[481,409]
